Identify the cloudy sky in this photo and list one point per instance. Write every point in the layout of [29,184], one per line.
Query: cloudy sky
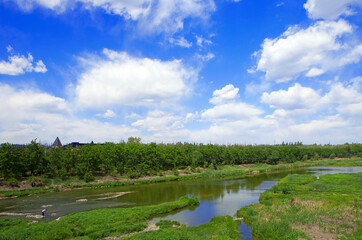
[210,71]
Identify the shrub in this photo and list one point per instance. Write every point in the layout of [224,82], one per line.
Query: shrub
[88,176]
[62,173]
[37,181]
[175,172]
[332,156]
[12,182]
[132,174]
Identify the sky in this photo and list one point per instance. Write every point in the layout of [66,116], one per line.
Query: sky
[167,71]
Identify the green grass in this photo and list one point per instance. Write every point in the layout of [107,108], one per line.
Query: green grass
[302,207]
[93,224]
[224,171]
[220,227]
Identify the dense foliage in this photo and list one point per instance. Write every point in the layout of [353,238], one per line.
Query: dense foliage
[135,159]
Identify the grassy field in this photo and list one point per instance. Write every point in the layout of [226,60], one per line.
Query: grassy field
[304,207]
[220,227]
[221,172]
[93,224]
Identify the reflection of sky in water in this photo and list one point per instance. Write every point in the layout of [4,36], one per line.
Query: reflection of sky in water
[317,171]
[231,200]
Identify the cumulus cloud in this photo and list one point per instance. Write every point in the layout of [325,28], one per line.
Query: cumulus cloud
[157,120]
[26,104]
[226,94]
[19,64]
[120,79]
[331,9]
[28,114]
[343,95]
[161,126]
[108,114]
[296,97]
[231,112]
[312,51]
[153,15]
[228,106]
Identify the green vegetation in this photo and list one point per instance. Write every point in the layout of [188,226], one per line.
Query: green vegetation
[134,159]
[93,224]
[220,227]
[57,184]
[304,207]
[163,224]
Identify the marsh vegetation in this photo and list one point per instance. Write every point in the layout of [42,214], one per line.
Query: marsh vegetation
[304,207]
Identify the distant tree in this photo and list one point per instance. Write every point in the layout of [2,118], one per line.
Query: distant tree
[134,140]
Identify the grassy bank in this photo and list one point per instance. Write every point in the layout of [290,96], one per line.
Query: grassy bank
[304,207]
[220,227]
[220,172]
[94,224]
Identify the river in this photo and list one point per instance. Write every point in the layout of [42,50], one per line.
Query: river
[217,197]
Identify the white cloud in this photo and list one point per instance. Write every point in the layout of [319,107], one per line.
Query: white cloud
[353,110]
[157,120]
[9,48]
[342,95]
[312,51]
[29,114]
[226,94]
[108,114]
[161,126]
[231,112]
[19,64]
[206,57]
[152,15]
[182,42]
[315,127]
[331,9]
[296,97]
[191,117]
[200,41]
[120,79]
[27,104]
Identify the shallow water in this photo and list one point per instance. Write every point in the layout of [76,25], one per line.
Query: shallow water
[217,197]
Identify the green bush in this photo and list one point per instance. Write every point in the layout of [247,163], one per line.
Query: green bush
[132,174]
[12,182]
[175,172]
[332,156]
[88,176]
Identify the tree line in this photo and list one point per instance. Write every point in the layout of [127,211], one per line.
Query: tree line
[135,159]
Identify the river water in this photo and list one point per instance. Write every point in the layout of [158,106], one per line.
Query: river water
[217,197]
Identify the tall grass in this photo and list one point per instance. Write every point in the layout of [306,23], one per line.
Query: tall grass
[301,206]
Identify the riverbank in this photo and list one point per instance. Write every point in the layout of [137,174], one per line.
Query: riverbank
[304,207]
[95,224]
[221,172]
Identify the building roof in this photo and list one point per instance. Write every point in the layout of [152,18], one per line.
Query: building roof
[57,143]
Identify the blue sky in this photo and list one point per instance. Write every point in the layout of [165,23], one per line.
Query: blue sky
[210,71]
